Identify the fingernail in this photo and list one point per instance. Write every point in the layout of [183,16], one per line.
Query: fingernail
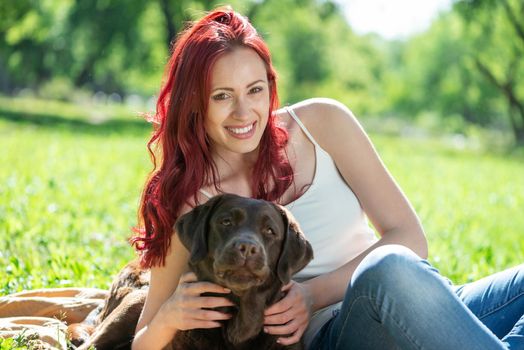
[227,290]
[265,330]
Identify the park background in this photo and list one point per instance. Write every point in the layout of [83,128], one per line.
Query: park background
[444,107]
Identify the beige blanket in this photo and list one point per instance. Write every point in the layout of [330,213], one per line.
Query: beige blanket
[42,315]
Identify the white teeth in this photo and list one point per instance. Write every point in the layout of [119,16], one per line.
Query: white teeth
[239,131]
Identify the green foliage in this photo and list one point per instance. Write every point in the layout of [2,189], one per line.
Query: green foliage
[21,341]
[97,45]
[466,66]
[436,75]
[495,31]
[317,54]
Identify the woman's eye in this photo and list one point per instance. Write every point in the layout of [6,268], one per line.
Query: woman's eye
[220,97]
[256,89]
[226,222]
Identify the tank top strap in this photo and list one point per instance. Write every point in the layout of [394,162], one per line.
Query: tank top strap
[302,126]
[205,193]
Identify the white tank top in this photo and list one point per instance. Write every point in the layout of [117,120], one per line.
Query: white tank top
[330,216]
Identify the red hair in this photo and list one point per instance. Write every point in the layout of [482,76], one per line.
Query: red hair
[184,158]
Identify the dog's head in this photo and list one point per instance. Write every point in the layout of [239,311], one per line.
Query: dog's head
[240,243]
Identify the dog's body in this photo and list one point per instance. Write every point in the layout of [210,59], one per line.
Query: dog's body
[250,246]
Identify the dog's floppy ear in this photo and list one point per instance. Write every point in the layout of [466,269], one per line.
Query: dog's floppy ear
[192,228]
[296,251]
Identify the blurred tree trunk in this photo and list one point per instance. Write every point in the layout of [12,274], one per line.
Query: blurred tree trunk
[172,11]
[508,88]
[498,51]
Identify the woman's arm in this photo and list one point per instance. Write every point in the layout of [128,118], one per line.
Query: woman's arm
[383,201]
[174,302]
[338,132]
[151,328]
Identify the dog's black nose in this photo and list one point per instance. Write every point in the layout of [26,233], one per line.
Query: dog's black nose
[247,248]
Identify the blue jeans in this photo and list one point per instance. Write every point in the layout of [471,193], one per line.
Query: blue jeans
[396,300]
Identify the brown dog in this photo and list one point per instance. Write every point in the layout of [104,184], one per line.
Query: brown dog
[250,246]
[113,326]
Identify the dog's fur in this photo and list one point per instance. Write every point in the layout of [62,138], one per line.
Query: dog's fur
[250,246]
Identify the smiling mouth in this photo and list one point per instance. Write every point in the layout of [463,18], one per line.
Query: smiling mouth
[246,130]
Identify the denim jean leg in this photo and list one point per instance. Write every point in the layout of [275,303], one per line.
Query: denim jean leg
[515,338]
[498,301]
[397,300]
[360,330]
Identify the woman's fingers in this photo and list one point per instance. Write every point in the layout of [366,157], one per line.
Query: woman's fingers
[295,338]
[279,319]
[190,281]
[288,328]
[208,324]
[212,302]
[290,316]
[280,307]
[197,288]
[188,309]
[292,331]
[210,315]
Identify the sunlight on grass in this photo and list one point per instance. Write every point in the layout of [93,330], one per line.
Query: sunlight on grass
[469,203]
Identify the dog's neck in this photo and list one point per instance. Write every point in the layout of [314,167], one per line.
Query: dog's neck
[248,318]
[248,321]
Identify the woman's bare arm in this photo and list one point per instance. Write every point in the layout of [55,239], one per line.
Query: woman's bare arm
[381,198]
[174,302]
[152,331]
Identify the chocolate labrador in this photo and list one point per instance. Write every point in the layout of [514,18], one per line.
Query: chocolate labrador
[250,246]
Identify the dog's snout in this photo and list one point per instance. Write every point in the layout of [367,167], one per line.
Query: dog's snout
[247,248]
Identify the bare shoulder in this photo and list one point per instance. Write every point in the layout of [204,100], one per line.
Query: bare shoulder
[329,121]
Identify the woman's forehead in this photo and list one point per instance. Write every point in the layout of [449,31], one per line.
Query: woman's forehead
[238,69]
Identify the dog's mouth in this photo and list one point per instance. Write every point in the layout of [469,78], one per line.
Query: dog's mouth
[238,278]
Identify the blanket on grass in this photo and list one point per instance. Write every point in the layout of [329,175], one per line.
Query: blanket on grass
[38,318]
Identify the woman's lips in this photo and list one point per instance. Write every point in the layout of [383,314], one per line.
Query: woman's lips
[243,132]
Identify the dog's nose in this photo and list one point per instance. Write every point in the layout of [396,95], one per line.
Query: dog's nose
[247,248]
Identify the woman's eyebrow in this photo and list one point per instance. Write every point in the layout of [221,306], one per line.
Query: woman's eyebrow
[247,86]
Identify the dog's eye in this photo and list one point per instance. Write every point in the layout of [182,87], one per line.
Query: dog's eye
[226,222]
[270,231]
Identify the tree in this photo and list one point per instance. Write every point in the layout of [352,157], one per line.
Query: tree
[433,72]
[496,31]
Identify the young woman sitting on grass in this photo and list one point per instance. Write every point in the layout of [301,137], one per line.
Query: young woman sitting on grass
[220,130]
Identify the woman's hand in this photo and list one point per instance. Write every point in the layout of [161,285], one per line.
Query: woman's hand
[187,309]
[290,316]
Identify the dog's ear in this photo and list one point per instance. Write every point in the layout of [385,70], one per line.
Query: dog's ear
[192,228]
[296,251]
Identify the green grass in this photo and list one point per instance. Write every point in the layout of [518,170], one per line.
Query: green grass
[70,186]
[470,203]
[68,197]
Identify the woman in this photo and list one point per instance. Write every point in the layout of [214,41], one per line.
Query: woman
[219,130]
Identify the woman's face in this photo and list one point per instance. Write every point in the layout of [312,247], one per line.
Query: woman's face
[238,105]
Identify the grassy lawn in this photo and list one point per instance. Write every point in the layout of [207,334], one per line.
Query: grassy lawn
[71,178]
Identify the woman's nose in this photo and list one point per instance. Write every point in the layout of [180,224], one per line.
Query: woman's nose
[241,109]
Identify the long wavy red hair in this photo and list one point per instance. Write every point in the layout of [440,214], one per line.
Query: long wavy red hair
[179,148]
